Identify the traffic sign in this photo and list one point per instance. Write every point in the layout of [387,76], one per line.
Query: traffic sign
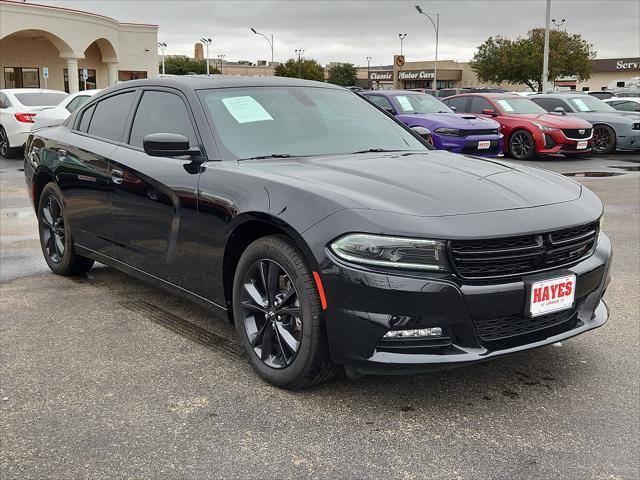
[45,72]
[85,74]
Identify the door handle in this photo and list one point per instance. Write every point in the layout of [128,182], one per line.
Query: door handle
[117,176]
[62,154]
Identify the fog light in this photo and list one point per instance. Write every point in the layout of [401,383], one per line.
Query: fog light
[413,333]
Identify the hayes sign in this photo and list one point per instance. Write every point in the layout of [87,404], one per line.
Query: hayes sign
[422,74]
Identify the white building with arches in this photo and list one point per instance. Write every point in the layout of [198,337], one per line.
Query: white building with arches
[65,42]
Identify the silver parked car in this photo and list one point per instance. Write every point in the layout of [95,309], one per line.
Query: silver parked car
[612,129]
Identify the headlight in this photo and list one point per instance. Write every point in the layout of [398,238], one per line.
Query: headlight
[545,128]
[447,132]
[394,252]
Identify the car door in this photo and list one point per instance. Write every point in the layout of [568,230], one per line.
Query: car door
[83,170]
[154,199]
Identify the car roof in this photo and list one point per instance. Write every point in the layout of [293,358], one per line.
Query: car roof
[202,82]
[13,91]
[492,95]
[558,95]
[617,99]
[395,92]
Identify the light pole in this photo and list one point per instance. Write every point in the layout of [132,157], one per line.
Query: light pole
[369,72]
[299,53]
[436,26]
[270,42]
[221,58]
[162,46]
[207,42]
[559,24]
[402,37]
[545,61]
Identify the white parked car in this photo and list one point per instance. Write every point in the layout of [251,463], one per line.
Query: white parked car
[51,116]
[18,109]
[625,104]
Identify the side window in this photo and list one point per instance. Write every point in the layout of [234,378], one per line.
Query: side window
[86,118]
[478,104]
[460,103]
[625,105]
[76,103]
[161,112]
[550,104]
[4,101]
[382,102]
[110,116]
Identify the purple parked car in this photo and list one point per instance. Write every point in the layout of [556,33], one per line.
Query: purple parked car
[458,133]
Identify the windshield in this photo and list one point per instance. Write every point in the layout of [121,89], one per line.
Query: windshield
[421,103]
[301,121]
[35,99]
[510,106]
[588,103]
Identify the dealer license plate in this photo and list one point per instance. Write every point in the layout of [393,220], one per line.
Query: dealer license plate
[582,145]
[484,144]
[552,295]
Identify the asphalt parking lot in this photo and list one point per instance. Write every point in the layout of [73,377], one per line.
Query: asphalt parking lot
[105,377]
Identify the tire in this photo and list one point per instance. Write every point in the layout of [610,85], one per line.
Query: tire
[604,139]
[281,332]
[56,240]
[5,149]
[522,146]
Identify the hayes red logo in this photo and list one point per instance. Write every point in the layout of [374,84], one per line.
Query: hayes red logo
[552,292]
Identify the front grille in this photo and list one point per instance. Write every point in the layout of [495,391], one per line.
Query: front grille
[471,148]
[635,126]
[575,133]
[480,131]
[501,328]
[523,254]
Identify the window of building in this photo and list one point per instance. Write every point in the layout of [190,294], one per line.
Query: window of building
[110,116]
[382,102]
[21,77]
[585,89]
[478,104]
[161,112]
[124,75]
[91,80]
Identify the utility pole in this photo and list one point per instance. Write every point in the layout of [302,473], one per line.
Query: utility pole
[559,24]
[402,37]
[221,59]
[369,72]
[162,46]
[545,62]
[299,53]
[207,42]
[436,26]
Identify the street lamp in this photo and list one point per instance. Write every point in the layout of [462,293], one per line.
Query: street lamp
[369,72]
[162,46]
[559,24]
[436,26]
[207,42]
[402,37]
[299,53]
[270,42]
[221,58]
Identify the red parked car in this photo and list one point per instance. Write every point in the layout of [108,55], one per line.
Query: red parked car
[528,129]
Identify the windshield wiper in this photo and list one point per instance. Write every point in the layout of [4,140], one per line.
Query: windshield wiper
[273,155]
[375,150]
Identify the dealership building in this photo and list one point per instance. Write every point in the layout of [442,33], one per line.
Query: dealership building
[44,46]
[606,73]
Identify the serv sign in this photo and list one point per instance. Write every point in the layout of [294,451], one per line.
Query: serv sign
[552,295]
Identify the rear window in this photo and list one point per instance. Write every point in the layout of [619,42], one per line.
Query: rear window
[110,116]
[36,99]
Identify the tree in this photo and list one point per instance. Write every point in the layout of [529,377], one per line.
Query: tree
[308,69]
[520,61]
[181,65]
[343,74]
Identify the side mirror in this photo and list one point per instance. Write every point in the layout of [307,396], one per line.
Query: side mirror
[489,111]
[167,145]
[424,133]
[560,110]
[390,110]
[453,108]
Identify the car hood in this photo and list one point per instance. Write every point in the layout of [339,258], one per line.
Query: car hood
[613,117]
[433,183]
[553,120]
[450,120]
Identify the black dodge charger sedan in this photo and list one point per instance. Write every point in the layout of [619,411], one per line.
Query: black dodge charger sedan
[331,234]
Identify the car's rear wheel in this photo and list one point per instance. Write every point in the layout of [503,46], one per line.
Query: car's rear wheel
[604,139]
[5,148]
[276,309]
[521,145]
[55,235]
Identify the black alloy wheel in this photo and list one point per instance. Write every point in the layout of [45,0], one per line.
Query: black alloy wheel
[604,139]
[278,315]
[4,144]
[52,229]
[521,145]
[271,313]
[55,235]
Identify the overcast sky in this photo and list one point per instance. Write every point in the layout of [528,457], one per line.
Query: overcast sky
[351,31]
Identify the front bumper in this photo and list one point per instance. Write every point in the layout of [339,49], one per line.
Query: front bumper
[363,304]
[555,142]
[469,145]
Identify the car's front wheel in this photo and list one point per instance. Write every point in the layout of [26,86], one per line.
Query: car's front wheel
[55,235]
[604,139]
[276,310]
[521,145]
